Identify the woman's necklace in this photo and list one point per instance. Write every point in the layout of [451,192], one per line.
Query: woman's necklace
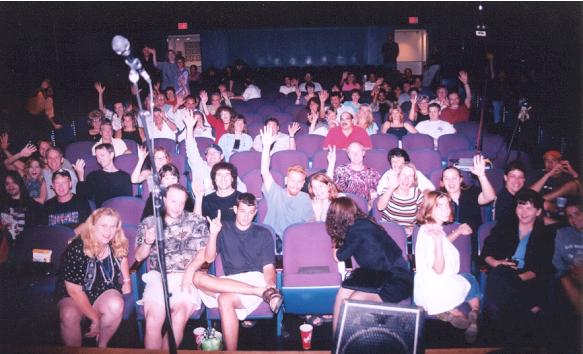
[107,269]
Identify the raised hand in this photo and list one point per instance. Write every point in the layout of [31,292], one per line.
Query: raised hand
[99,88]
[215,224]
[28,150]
[298,92]
[463,77]
[323,95]
[331,157]
[479,168]
[142,152]
[204,97]
[566,167]
[4,141]
[293,129]
[267,136]
[344,75]
[190,119]
[413,100]
[79,167]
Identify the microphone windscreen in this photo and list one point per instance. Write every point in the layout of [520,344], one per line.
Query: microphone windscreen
[120,45]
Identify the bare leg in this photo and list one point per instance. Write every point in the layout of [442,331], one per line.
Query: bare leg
[70,316]
[573,293]
[110,305]
[228,302]
[343,294]
[180,314]
[212,285]
[359,295]
[155,315]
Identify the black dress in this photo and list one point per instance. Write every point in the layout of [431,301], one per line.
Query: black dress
[372,248]
[135,136]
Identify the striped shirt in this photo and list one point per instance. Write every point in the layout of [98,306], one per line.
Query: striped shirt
[403,209]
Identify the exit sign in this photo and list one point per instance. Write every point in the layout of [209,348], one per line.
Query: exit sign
[182,25]
[413,20]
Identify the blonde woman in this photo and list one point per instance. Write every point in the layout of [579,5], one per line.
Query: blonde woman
[365,120]
[90,285]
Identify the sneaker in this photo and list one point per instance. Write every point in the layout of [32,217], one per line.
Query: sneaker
[472,331]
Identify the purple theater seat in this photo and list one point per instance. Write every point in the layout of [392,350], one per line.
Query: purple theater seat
[246,161]
[309,143]
[384,141]
[377,159]
[360,201]
[496,178]
[284,119]
[130,208]
[281,160]
[294,109]
[451,142]
[492,145]
[308,266]
[425,161]
[127,162]
[78,150]
[168,144]
[417,142]
[131,145]
[320,160]
[267,110]
[483,232]
[130,232]
[254,181]
[90,164]
[468,129]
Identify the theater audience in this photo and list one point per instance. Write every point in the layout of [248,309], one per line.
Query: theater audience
[322,191]
[251,91]
[94,122]
[56,162]
[289,85]
[114,117]
[356,235]
[402,198]
[322,126]
[169,175]
[457,112]
[439,286]
[285,205]
[222,121]
[246,251]
[236,139]
[308,79]
[162,127]
[396,124]
[94,273]
[130,129]
[34,180]
[468,200]
[188,234]
[224,178]
[397,158]
[514,179]
[355,177]
[103,184]
[17,210]
[310,93]
[519,253]
[65,208]
[201,168]
[281,141]
[365,120]
[346,133]
[435,127]
[348,82]
[119,146]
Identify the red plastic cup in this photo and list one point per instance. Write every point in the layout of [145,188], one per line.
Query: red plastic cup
[306,334]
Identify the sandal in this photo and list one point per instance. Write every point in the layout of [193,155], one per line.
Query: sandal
[273,298]
[248,324]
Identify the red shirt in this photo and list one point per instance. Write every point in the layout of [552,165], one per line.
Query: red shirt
[217,125]
[337,138]
[461,114]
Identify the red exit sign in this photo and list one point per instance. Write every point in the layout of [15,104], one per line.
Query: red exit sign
[182,25]
[413,20]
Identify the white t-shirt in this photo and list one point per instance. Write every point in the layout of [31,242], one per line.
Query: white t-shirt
[437,293]
[435,128]
[281,143]
[317,86]
[287,90]
[119,146]
[164,133]
[251,92]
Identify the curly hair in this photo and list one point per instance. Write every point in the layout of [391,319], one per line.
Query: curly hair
[323,178]
[342,214]
[119,243]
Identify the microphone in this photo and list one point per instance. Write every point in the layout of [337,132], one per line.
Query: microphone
[121,47]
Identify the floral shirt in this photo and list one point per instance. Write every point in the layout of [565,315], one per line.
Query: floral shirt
[356,182]
[182,238]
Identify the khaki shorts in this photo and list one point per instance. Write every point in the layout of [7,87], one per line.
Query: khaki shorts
[154,292]
[250,302]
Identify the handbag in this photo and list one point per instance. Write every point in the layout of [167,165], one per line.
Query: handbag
[367,280]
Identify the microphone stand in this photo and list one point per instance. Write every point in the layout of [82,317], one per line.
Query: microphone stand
[157,203]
